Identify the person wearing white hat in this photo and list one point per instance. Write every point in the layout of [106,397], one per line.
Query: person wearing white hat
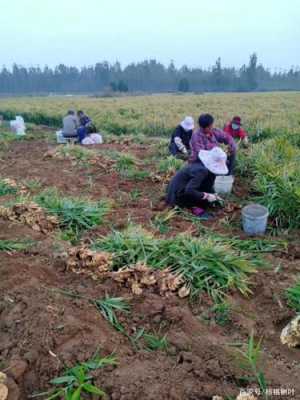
[192,186]
[180,140]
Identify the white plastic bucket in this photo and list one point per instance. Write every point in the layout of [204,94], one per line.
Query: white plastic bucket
[254,219]
[223,184]
[60,138]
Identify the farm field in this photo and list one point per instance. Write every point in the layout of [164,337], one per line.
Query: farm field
[158,114]
[106,290]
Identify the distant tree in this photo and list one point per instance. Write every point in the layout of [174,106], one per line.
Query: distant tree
[218,75]
[251,72]
[114,86]
[183,85]
[145,76]
[122,86]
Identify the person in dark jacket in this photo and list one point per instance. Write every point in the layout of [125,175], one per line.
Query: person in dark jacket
[192,186]
[180,140]
[85,125]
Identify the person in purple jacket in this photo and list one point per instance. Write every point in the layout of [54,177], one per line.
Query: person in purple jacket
[207,137]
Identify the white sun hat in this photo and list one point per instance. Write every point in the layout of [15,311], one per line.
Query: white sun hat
[214,160]
[188,123]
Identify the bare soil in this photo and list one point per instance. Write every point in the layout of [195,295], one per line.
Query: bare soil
[42,331]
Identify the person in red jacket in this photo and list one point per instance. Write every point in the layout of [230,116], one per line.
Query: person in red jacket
[234,129]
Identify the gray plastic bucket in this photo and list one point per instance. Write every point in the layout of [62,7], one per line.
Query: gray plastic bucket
[254,219]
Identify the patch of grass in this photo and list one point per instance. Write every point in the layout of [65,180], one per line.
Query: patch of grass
[79,153]
[75,215]
[135,194]
[14,245]
[155,342]
[221,313]
[293,296]
[77,383]
[108,308]
[170,165]
[254,245]
[125,162]
[251,245]
[32,184]
[275,167]
[6,188]
[126,165]
[249,361]
[162,219]
[204,264]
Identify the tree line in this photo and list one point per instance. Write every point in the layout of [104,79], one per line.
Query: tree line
[146,76]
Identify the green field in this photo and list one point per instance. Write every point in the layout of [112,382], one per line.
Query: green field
[158,114]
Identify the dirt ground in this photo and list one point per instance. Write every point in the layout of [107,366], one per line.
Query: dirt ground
[42,331]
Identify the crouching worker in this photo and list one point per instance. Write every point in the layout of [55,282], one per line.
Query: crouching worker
[180,140]
[86,126]
[207,137]
[192,186]
[234,129]
[70,125]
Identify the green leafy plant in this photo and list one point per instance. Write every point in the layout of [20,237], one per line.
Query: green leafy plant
[108,308]
[162,219]
[6,188]
[155,342]
[125,162]
[204,264]
[75,215]
[293,296]
[76,383]
[249,361]
[14,245]
[277,187]
[221,313]
[170,165]
[32,184]
[135,194]
[77,153]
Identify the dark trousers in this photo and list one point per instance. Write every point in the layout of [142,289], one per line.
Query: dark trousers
[81,132]
[231,164]
[188,199]
[174,149]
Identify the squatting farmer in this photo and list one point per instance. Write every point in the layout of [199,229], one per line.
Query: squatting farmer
[70,125]
[192,186]
[86,126]
[207,137]
[180,140]
[234,129]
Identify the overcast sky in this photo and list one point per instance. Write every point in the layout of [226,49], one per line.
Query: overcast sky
[192,32]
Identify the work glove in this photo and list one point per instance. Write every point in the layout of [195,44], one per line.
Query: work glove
[211,198]
[184,150]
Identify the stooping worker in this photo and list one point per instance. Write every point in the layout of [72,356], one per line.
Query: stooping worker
[207,137]
[70,125]
[192,186]
[180,140]
[234,129]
